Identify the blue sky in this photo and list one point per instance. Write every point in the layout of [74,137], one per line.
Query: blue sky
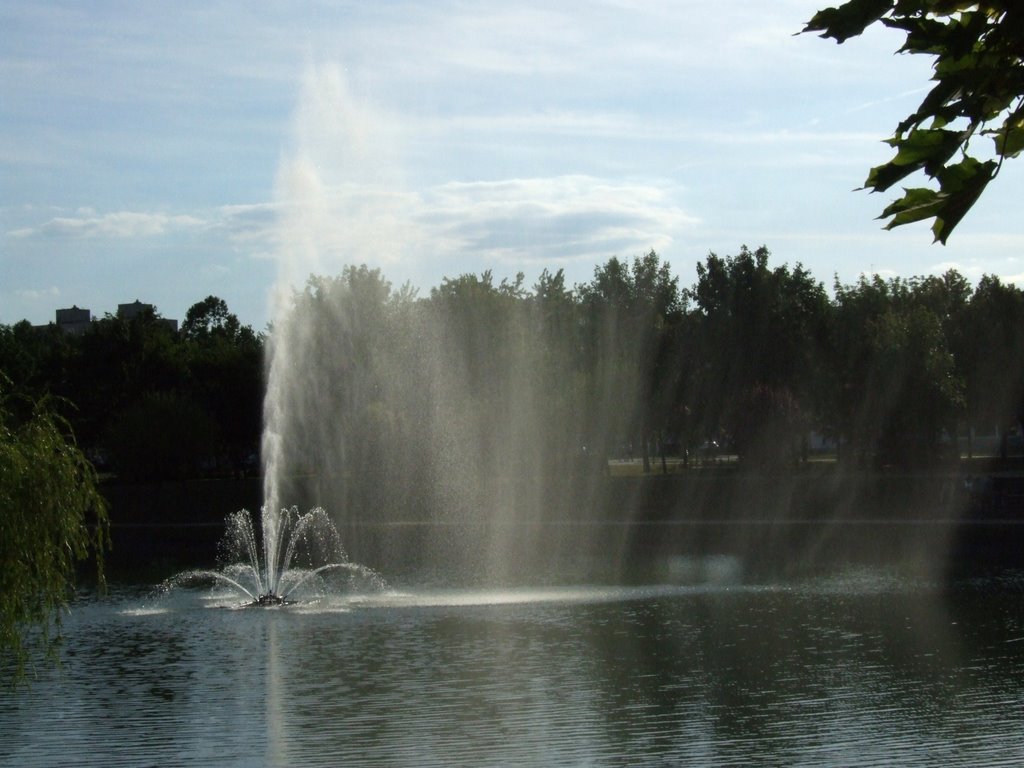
[168,151]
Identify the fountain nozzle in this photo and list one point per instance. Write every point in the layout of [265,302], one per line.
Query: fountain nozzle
[269,599]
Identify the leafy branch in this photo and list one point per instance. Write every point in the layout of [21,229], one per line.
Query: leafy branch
[979,90]
[52,516]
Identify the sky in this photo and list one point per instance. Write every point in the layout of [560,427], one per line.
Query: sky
[170,151]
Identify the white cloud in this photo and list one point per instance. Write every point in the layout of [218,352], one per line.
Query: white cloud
[544,220]
[631,127]
[1006,268]
[118,224]
[318,228]
[341,199]
[36,294]
[247,222]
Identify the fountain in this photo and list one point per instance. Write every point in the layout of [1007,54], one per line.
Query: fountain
[300,553]
[435,441]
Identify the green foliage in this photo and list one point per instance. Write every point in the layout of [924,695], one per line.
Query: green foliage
[913,385]
[898,393]
[224,363]
[213,369]
[753,355]
[118,361]
[40,360]
[991,353]
[762,337]
[352,326]
[210,317]
[162,436]
[51,517]
[978,91]
[630,312]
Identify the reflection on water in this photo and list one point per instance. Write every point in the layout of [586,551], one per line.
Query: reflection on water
[857,670]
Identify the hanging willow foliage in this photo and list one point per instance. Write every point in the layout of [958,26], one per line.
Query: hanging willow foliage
[51,517]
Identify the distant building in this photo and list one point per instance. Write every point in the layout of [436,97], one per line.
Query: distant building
[74,320]
[136,308]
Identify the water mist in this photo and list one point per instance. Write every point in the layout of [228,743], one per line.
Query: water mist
[447,423]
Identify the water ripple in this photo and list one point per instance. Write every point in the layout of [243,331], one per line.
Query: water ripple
[576,676]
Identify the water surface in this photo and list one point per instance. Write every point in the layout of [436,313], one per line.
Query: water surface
[864,668]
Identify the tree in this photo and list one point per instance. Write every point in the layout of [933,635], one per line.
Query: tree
[897,392]
[328,402]
[558,369]
[210,317]
[39,359]
[992,356]
[51,517]
[763,334]
[484,346]
[225,364]
[913,389]
[162,436]
[630,310]
[119,361]
[978,91]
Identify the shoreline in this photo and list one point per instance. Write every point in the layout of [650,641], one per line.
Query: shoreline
[799,518]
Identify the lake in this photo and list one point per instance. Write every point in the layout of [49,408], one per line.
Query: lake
[858,667]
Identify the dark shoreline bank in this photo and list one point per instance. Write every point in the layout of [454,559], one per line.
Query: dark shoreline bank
[958,518]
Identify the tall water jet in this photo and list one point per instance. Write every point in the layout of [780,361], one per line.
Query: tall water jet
[442,413]
[327,180]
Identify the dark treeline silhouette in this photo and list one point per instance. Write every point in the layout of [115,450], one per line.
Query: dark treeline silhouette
[143,400]
[499,381]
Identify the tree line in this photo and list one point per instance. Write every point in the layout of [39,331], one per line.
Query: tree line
[143,400]
[499,379]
